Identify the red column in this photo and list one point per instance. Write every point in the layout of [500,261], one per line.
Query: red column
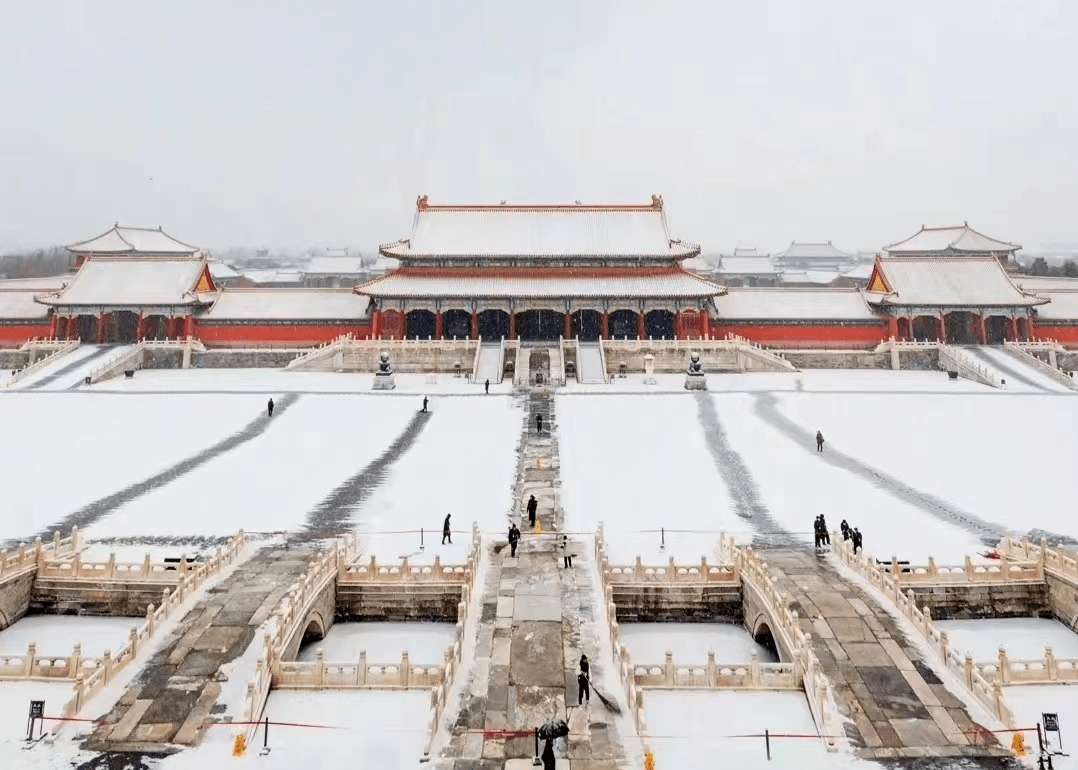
[606,325]
[701,323]
[512,325]
[568,330]
[942,329]
[982,331]
[892,327]
[376,324]
[438,325]
[72,327]
[475,326]
[1012,327]
[641,328]
[54,324]
[102,320]
[140,328]
[1029,328]
[189,326]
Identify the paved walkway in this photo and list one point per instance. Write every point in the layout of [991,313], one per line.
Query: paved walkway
[176,691]
[898,707]
[536,618]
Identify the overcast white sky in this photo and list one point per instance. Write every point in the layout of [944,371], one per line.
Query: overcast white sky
[295,124]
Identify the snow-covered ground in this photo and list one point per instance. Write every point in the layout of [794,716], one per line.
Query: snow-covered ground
[272,482]
[15,700]
[648,643]
[639,464]
[425,642]
[55,635]
[1031,702]
[1022,638]
[279,380]
[61,451]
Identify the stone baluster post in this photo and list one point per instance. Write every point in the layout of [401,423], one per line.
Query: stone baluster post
[1025,547]
[712,669]
[1004,567]
[164,602]
[106,665]
[703,569]
[945,648]
[933,570]
[147,568]
[754,668]
[1004,667]
[30,660]
[638,568]
[37,550]
[76,564]
[967,565]
[74,539]
[997,697]
[361,674]
[110,566]
[967,666]
[668,669]
[150,622]
[406,669]
[182,569]
[671,571]
[1005,544]
[56,544]
[895,570]
[436,573]
[80,692]
[405,574]
[320,667]
[132,636]
[1050,664]
[1044,551]
[74,663]
[372,570]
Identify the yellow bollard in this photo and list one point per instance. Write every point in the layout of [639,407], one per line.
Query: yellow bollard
[1018,744]
[538,526]
[538,462]
[239,746]
[649,761]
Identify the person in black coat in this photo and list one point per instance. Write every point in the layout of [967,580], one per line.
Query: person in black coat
[514,538]
[856,536]
[816,533]
[533,506]
[424,403]
[819,441]
[582,691]
[486,386]
[269,408]
[585,667]
[845,530]
[825,536]
[446,534]
[538,423]
[548,755]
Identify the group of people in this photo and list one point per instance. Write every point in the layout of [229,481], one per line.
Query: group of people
[822,537]
[853,534]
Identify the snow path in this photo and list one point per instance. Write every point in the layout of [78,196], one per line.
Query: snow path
[735,472]
[93,512]
[768,411]
[1015,369]
[334,514]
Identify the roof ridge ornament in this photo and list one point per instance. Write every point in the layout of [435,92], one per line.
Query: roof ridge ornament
[421,202]
[657,202]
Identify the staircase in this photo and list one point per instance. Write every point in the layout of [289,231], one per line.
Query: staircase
[590,363]
[490,362]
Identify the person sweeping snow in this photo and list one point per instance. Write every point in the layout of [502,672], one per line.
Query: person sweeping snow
[533,506]
[514,538]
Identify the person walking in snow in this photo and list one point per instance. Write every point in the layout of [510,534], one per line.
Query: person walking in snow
[486,387]
[845,530]
[446,534]
[538,423]
[548,754]
[825,536]
[585,667]
[583,693]
[514,538]
[533,506]
[269,408]
[424,404]
[816,533]
[566,554]
[856,537]
[819,441]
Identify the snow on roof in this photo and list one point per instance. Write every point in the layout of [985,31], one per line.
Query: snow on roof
[746,265]
[383,264]
[950,240]
[20,304]
[131,281]
[747,251]
[335,266]
[861,272]
[948,281]
[287,305]
[48,283]
[749,304]
[465,282]
[540,231]
[133,240]
[274,276]
[821,277]
[813,251]
[1036,283]
[221,270]
[1063,305]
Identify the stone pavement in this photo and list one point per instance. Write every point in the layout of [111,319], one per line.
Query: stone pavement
[176,691]
[897,705]
[535,618]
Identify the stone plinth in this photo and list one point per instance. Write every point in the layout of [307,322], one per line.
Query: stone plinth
[384,382]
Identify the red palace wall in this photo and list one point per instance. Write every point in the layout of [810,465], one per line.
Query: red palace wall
[13,335]
[1065,334]
[285,335]
[794,335]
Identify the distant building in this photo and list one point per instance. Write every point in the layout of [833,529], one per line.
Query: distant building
[814,257]
[337,269]
[120,241]
[961,241]
[746,267]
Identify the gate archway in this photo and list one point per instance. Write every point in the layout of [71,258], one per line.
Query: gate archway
[623,324]
[925,328]
[660,325]
[86,328]
[587,325]
[995,327]
[960,328]
[494,324]
[157,327]
[124,328]
[419,324]
[456,324]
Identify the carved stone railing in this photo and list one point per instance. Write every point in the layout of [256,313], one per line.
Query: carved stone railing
[1045,670]
[987,691]
[638,572]
[1007,571]
[26,559]
[1056,561]
[753,675]
[144,571]
[361,674]
[353,571]
[61,350]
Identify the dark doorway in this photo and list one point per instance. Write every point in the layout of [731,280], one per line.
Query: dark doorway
[960,328]
[925,328]
[996,329]
[456,324]
[587,325]
[660,325]
[124,328]
[419,324]
[543,325]
[493,325]
[157,327]
[623,325]
[87,328]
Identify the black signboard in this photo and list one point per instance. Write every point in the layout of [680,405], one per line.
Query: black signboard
[1051,722]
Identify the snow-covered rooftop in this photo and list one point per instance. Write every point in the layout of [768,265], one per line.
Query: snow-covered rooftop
[1036,283]
[861,272]
[746,266]
[48,283]
[21,304]
[287,304]
[132,281]
[133,240]
[812,251]
[335,266]
[540,231]
[465,282]
[947,281]
[950,240]
[820,277]
[273,275]
[221,270]
[1063,305]
[794,305]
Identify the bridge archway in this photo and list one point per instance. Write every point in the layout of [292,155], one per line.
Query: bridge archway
[419,324]
[456,324]
[623,324]
[494,324]
[763,637]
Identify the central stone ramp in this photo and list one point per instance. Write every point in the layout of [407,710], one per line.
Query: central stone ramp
[898,706]
[163,710]
[537,619]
